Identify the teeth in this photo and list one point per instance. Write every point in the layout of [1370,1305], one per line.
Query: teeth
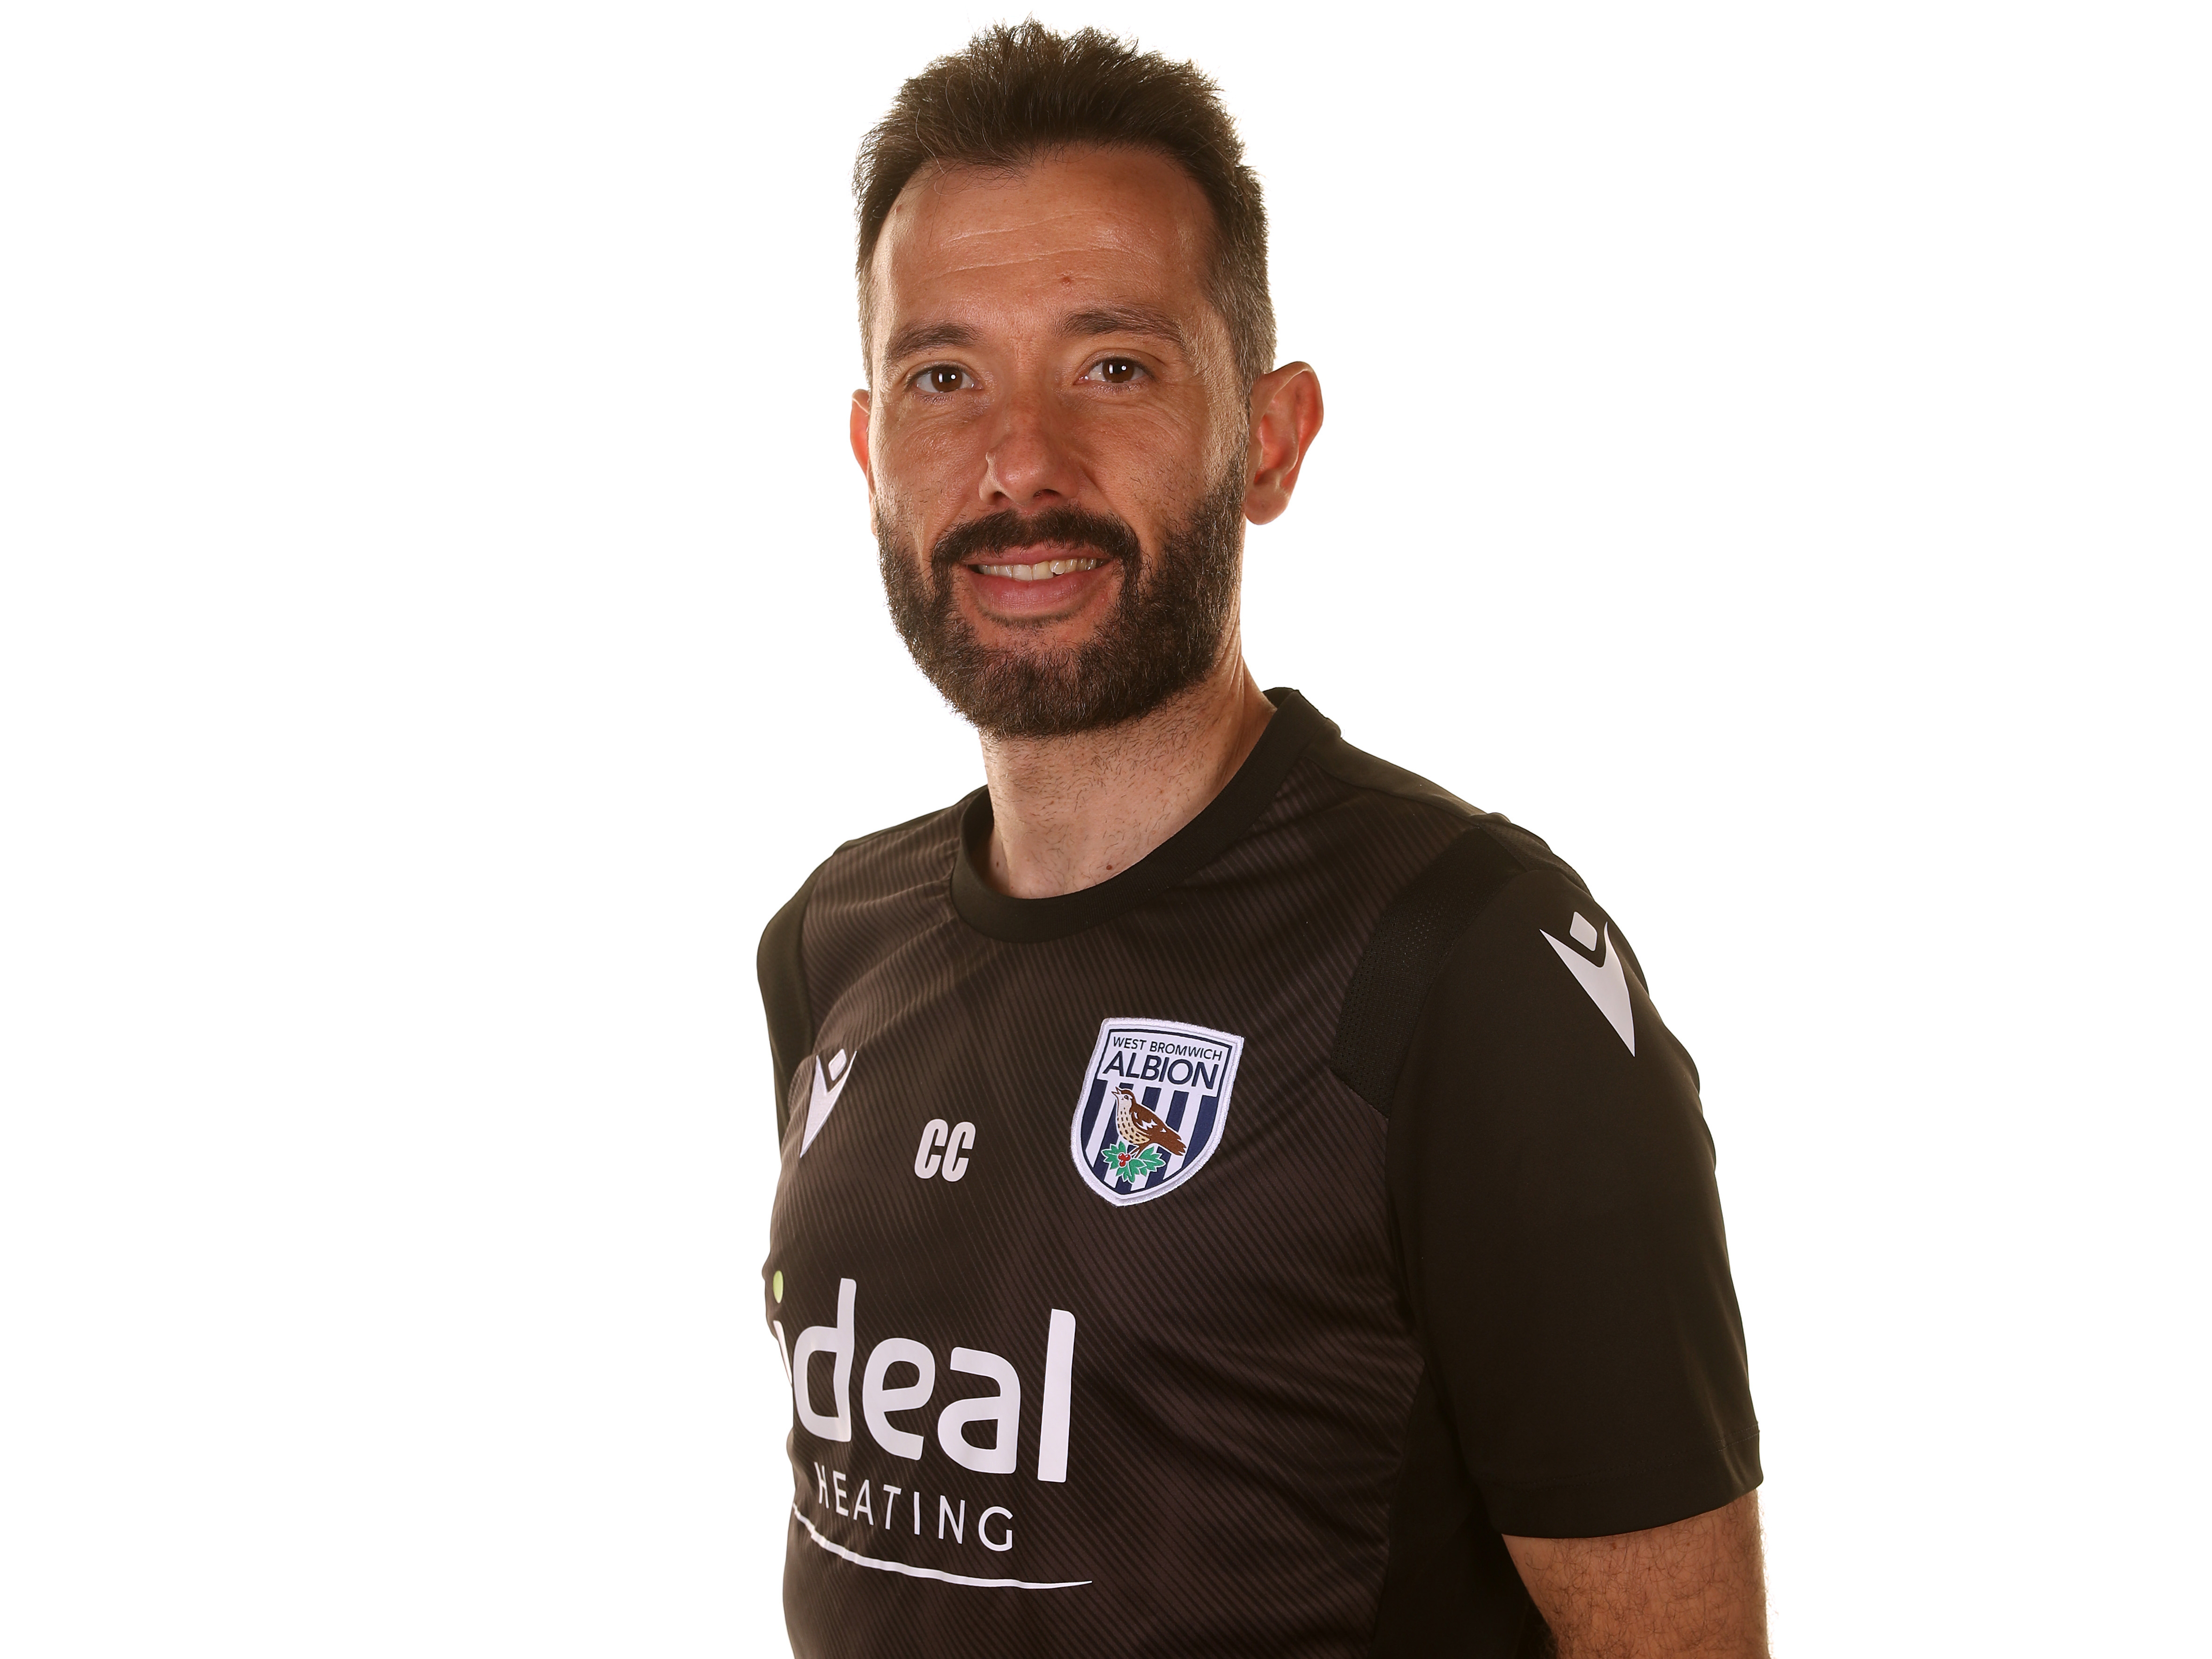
[1038,572]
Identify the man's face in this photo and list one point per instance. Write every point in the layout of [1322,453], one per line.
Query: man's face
[1056,440]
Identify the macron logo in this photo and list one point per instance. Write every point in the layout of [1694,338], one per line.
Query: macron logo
[824,1099]
[1605,981]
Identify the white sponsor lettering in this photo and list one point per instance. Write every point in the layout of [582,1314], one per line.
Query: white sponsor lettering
[1059,1374]
[881,1400]
[783,1352]
[877,1402]
[836,1340]
[1003,1408]
[995,1526]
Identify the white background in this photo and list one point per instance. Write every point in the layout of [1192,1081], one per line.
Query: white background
[1767,454]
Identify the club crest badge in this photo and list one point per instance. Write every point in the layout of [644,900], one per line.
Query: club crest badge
[1152,1106]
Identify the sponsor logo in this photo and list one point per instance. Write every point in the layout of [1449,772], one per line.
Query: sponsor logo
[884,1486]
[823,1101]
[1605,981]
[882,1401]
[1152,1107]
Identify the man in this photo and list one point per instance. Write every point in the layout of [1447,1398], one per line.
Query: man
[1236,1197]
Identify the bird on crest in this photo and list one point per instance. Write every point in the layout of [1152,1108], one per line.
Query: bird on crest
[1141,1124]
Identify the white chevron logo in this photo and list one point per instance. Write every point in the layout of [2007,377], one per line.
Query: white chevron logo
[1605,981]
[824,1098]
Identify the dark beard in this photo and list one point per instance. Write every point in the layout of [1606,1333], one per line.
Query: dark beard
[1166,633]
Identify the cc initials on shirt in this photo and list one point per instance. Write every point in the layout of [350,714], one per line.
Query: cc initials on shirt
[953,1161]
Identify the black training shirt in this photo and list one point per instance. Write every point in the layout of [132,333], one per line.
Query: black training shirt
[1220,1259]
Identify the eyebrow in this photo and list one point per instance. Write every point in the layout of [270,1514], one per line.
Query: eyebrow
[926,336]
[916,337]
[1126,319]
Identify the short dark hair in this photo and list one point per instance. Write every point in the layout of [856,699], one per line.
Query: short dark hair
[1018,93]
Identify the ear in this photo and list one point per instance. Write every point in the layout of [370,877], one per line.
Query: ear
[1286,415]
[861,404]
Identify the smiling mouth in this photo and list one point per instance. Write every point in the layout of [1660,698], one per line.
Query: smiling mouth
[1042,571]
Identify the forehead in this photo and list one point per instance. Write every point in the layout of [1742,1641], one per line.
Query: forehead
[1079,228]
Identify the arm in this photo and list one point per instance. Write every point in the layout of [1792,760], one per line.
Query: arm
[1695,1590]
[1560,1237]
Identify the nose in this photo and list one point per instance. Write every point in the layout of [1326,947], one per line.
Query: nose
[1030,462]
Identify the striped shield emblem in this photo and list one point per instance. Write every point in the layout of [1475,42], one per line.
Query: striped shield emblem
[1152,1106]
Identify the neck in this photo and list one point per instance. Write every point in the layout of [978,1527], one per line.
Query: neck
[1069,812]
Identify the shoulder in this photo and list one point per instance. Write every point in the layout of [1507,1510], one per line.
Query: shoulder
[871,883]
[1373,775]
[1520,849]
[1476,909]
[1468,832]
[884,862]
[1538,1025]
[918,850]
[1486,868]
[1545,948]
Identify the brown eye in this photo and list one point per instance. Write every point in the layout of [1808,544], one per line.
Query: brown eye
[1117,371]
[942,377]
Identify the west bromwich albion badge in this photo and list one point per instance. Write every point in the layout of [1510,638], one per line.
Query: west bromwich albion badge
[1152,1106]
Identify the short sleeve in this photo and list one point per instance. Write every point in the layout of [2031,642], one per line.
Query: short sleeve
[1553,1189]
[783,994]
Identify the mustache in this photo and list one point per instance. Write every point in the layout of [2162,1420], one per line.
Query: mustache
[1097,533]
